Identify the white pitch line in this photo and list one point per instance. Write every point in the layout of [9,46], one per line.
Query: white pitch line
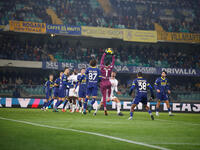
[176,143]
[86,132]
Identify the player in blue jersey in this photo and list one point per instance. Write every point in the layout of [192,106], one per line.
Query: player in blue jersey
[48,91]
[56,88]
[63,89]
[162,91]
[93,76]
[141,85]
[81,84]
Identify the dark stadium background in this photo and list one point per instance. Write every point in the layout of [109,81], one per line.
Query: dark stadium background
[179,16]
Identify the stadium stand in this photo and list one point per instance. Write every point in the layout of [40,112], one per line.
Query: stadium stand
[148,56]
[174,16]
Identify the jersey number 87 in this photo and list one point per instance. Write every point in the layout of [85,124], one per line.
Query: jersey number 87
[92,76]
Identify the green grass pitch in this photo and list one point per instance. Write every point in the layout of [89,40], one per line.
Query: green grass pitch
[180,132]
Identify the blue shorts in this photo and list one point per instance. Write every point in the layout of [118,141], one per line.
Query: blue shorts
[142,99]
[63,92]
[48,95]
[56,92]
[92,91]
[82,93]
[162,96]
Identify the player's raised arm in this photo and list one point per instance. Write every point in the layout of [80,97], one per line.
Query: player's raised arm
[102,60]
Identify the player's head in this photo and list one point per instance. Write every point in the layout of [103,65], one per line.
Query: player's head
[61,73]
[51,77]
[66,70]
[82,70]
[163,74]
[113,74]
[139,74]
[93,62]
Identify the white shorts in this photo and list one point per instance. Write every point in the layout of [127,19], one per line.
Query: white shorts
[73,93]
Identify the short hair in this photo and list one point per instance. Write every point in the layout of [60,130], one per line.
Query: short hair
[114,71]
[139,74]
[66,68]
[164,72]
[83,68]
[93,62]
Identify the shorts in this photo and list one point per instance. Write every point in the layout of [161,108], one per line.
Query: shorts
[63,92]
[162,96]
[92,91]
[56,92]
[82,93]
[48,95]
[73,93]
[142,99]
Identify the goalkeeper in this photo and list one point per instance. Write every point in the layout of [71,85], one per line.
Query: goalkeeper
[106,70]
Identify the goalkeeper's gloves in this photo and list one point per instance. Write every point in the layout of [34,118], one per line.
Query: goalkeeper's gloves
[109,51]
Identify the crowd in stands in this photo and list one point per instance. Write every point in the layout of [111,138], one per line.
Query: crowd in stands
[173,15]
[12,47]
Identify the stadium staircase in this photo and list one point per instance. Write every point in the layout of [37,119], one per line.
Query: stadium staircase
[51,57]
[94,4]
[54,17]
[107,7]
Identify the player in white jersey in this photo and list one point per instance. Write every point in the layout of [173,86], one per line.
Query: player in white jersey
[114,84]
[73,93]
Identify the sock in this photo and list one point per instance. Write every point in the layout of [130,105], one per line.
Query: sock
[58,103]
[65,102]
[149,111]
[73,107]
[92,102]
[77,105]
[85,104]
[80,104]
[49,102]
[44,105]
[169,110]
[118,107]
[131,114]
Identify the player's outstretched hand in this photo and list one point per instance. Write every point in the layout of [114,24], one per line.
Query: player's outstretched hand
[109,51]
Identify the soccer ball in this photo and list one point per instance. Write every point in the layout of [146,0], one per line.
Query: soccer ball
[109,51]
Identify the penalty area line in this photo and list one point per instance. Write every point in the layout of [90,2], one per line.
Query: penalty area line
[87,132]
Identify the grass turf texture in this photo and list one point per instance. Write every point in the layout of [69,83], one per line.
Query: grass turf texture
[179,132]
